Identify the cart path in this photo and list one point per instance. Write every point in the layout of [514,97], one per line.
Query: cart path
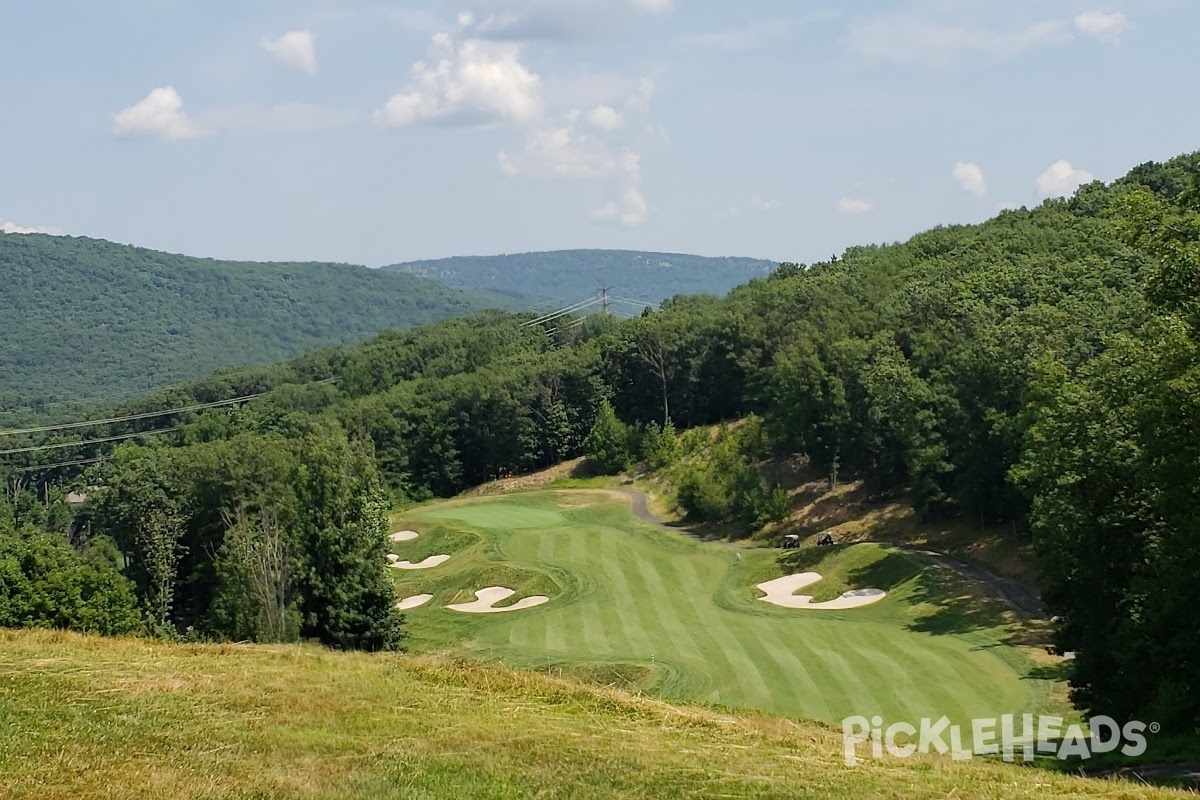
[1017,595]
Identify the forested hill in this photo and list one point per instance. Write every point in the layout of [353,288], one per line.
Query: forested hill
[85,317]
[568,276]
[1039,372]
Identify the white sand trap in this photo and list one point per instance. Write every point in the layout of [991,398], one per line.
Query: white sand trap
[487,598]
[392,558]
[782,592]
[404,536]
[429,563]
[416,601]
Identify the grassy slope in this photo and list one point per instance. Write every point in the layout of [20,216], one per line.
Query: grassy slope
[680,617]
[84,717]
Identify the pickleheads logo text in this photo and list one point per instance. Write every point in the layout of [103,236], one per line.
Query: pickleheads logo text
[1040,735]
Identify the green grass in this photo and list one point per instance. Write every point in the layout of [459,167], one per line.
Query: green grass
[675,617]
[85,718]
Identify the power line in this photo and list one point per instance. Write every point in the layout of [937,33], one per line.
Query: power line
[131,417]
[561,311]
[61,445]
[78,463]
[655,306]
[152,414]
[565,312]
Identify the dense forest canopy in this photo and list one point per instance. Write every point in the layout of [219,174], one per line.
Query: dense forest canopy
[84,317]
[562,277]
[1041,370]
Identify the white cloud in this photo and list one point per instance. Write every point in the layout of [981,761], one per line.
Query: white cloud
[908,38]
[8,226]
[640,99]
[471,82]
[654,6]
[764,204]
[1102,26]
[564,152]
[606,118]
[852,205]
[526,20]
[630,211]
[295,50]
[159,113]
[969,176]
[1061,179]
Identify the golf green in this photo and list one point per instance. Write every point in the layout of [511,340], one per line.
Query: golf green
[630,598]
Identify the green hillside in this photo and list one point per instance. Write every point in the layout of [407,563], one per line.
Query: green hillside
[1034,378]
[562,277]
[122,719]
[86,317]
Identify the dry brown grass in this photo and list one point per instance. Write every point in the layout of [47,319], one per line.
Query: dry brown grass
[83,717]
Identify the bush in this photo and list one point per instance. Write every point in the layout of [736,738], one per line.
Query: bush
[607,446]
[659,446]
[44,583]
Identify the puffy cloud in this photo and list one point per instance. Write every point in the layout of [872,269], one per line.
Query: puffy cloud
[471,82]
[1102,26]
[606,118]
[1061,178]
[159,113]
[763,204]
[907,38]
[630,211]
[7,226]
[969,176]
[564,152]
[853,205]
[295,50]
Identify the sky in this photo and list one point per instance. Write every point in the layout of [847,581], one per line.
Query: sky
[378,132]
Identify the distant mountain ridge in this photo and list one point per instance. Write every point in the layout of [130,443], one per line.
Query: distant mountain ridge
[86,317]
[565,276]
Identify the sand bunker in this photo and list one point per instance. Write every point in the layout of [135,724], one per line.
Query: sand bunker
[781,592]
[429,563]
[392,558]
[404,536]
[416,601]
[487,598]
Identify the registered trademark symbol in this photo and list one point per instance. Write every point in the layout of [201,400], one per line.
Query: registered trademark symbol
[1155,727]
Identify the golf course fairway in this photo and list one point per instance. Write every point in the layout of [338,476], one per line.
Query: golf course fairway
[654,609]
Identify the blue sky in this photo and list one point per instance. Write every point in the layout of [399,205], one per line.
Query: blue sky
[376,132]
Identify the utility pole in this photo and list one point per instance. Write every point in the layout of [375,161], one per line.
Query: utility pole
[604,299]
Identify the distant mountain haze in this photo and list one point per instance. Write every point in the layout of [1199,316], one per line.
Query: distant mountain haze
[562,277]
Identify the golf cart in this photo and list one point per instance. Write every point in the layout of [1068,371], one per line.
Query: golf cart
[791,542]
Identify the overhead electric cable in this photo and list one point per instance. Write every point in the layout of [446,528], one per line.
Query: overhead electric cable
[61,445]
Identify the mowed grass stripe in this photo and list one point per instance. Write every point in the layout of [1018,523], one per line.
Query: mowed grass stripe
[665,601]
[632,637]
[742,680]
[900,675]
[585,625]
[800,694]
[695,579]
